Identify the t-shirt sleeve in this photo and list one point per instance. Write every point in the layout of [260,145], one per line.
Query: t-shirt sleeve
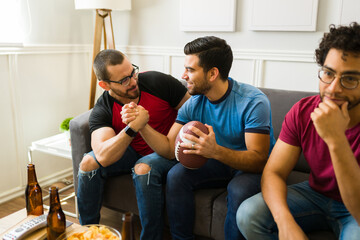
[163,86]
[289,131]
[184,112]
[100,116]
[258,116]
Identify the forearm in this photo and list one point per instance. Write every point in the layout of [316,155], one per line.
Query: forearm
[111,150]
[274,191]
[158,142]
[347,172]
[282,160]
[248,161]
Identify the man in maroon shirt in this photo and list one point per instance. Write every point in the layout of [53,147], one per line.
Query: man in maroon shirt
[326,128]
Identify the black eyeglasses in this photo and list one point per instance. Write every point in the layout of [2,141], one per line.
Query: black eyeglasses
[348,81]
[126,80]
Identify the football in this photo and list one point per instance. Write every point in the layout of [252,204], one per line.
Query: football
[191,161]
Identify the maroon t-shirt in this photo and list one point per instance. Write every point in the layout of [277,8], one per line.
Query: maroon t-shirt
[299,130]
[159,95]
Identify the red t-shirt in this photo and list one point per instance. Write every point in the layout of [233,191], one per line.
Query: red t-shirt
[159,94]
[298,130]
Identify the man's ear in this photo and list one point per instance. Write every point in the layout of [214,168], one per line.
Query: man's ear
[104,85]
[213,74]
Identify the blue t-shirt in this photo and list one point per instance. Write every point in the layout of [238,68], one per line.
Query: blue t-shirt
[243,108]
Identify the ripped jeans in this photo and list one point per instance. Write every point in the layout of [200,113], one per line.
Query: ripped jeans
[91,185]
[150,195]
[149,190]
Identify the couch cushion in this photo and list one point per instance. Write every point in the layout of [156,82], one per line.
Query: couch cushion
[296,177]
[119,194]
[321,235]
[204,200]
[219,214]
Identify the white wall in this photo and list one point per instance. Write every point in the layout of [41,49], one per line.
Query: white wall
[40,87]
[47,80]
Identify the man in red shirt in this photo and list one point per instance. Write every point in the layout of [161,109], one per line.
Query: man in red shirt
[118,146]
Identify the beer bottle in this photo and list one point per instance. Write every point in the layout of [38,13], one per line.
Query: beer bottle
[33,193]
[127,231]
[56,222]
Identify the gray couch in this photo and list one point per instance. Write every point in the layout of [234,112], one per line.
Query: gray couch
[210,203]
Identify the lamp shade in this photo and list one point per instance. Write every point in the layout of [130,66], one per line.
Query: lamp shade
[103,4]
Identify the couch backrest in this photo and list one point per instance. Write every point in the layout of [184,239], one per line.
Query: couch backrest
[281,101]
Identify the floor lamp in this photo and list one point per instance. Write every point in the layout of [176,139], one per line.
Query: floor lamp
[103,24]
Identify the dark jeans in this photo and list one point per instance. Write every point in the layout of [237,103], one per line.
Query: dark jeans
[150,195]
[240,188]
[181,183]
[148,187]
[91,185]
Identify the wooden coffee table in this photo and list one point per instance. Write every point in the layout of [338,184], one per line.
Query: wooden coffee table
[15,219]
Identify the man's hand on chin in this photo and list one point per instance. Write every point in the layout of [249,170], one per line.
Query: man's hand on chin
[330,121]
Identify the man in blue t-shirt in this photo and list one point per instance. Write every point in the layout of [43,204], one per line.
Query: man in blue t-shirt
[240,138]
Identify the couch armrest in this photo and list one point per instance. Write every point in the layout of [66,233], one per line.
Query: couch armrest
[80,141]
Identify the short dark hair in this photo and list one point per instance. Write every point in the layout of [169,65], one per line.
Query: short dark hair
[345,38]
[212,52]
[105,58]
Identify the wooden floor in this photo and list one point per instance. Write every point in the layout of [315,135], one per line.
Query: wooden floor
[108,216]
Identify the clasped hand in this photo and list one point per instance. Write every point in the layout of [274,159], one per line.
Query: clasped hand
[135,114]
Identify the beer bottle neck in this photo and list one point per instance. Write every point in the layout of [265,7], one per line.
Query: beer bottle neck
[31,174]
[54,198]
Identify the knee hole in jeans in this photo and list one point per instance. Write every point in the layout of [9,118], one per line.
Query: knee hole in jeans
[142,168]
[88,163]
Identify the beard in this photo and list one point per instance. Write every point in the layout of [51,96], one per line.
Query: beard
[351,104]
[126,94]
[200,88]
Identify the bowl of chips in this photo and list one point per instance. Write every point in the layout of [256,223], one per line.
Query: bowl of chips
[91,232]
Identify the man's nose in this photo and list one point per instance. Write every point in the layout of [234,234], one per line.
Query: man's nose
[184,76]
[133,79]
[335,85]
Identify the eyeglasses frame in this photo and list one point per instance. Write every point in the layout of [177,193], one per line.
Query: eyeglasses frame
[135,72]
[341,78]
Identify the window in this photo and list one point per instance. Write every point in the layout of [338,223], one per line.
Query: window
[10,23]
